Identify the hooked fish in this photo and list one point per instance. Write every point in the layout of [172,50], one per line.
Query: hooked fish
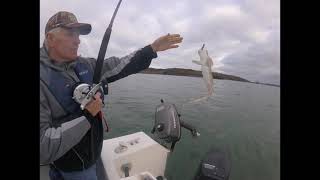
[206,65]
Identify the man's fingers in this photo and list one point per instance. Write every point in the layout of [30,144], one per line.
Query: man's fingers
[174,35]
[174,46]
[176,42]
[97,96]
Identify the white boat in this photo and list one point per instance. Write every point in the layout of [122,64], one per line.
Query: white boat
[137,156]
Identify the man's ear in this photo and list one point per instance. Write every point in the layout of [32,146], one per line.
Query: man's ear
[50,39]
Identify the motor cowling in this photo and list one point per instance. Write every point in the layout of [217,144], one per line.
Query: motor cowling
[167,123]
[215,165]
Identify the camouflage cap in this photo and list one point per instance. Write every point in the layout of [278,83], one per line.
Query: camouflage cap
[67,20]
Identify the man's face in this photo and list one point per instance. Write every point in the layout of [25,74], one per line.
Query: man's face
[64,44]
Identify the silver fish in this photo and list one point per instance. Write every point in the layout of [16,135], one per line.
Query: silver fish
[206,65]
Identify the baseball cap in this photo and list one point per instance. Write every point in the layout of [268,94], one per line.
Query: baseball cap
[67,20]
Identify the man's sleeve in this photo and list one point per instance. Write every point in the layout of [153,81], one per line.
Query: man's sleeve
[115,68]
[56,141]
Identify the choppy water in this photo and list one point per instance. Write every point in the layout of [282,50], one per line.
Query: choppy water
[243,117]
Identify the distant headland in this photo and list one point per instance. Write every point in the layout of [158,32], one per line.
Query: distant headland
[194,73]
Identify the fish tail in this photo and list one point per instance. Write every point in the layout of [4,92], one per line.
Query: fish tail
[202,98]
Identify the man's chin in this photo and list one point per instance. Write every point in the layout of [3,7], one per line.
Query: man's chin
[72,58]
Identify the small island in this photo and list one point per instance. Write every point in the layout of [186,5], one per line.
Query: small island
[194,73]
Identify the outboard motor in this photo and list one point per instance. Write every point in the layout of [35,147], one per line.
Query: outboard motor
[168,125]
[215,165]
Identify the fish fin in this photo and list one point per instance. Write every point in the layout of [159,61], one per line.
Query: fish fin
[202,98]
[197,62]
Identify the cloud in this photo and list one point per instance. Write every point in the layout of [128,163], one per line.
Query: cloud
[243,36]
[261,58]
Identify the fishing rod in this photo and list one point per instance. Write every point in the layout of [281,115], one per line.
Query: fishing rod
[84,93]
[103,48]
[99,64]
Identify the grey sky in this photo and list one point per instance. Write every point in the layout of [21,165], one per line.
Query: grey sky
[242,36]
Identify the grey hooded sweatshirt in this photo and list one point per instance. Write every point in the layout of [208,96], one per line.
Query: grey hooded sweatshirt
[56,141]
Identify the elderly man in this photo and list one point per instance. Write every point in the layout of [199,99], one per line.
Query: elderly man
[71,138]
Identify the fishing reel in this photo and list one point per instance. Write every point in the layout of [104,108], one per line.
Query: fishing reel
[84,93]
